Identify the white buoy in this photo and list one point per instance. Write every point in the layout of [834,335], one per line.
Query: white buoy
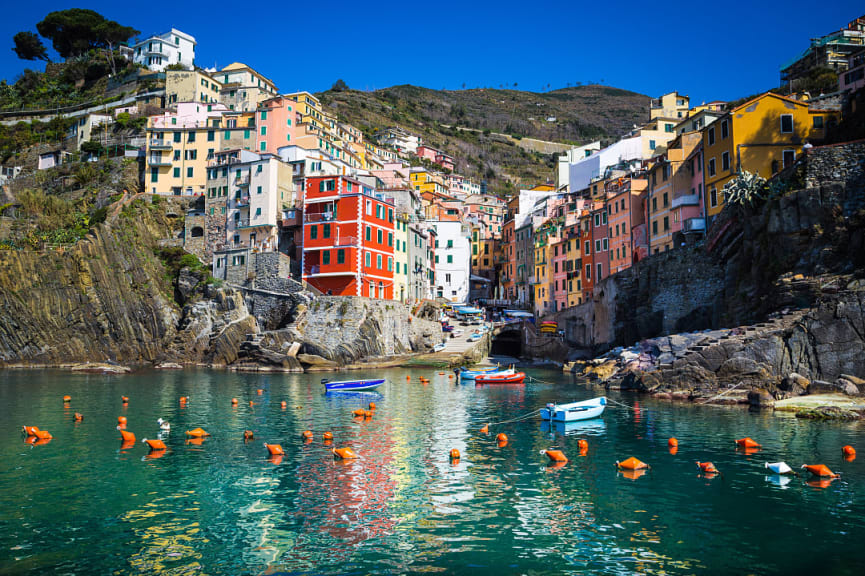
[163,425]
[779,468]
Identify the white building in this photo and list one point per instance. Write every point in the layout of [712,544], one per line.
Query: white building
[157,52]
[571,156]
[581,172]
[399,139]
[452,260]
[82,129]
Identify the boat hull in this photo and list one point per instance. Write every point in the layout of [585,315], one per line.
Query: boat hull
[353,385]
[574,412]
[500,378]
[472,375]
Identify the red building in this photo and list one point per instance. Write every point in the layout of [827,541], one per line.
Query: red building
[348,238]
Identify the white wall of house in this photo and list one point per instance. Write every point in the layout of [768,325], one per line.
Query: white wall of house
[157,52]
[453,269]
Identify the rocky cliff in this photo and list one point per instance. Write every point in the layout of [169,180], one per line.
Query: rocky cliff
[124,295]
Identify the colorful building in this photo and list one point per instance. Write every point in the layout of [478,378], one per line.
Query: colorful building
[190,86]
[348,238]
[626,198]
[452,260]
[243,88]
[274,123]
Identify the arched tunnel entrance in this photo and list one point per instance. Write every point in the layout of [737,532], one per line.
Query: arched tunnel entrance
[508,342]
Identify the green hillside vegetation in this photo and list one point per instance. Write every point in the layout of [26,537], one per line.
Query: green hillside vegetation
[467,123]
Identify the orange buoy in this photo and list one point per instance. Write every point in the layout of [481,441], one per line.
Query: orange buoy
[67,399]
[707,468]
[183,399]
[197,433]
[582,444]
[485,429]
[344,453]
[43,435]
[30,430]
[408,377]
[328,436]
[234,401]
[371,406]
[820,470]
[367,414]
[633,474]
[247,435]
[155,444]
[124,399]
[283,404]
[121,420]
[274,449]
[259,391]
[251,403]
[632,464]
[128,437]
[848,451]
[747,443]
[674,450]
[359,412]
[454,454]
[556,455]
[502,439]
[306,435]
[450,376]
[78,417]
[672,443]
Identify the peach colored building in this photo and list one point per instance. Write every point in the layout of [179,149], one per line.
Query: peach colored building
[275,124]
[625,200]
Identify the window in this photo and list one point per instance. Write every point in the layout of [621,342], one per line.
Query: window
[211,135]
[325,257]
[390,239]
[666,223]
[450,258]
[378,236]
[588,249]
[597,245]
[154,174]
[340,256]
[652,145]
[588,271]
[227,134]
[313,232]
[325,230]
[606,245]
[655,228]
[725,131]
[713,197]
[597,220]
[189,172]
[369,207]
[818,122]
[191,137]
[176,172]
[390,214]
[378,261]
[786,123]
[789,157]
[666,200]
[711,135]
[177,155]
[712,167]
[389,264]
[654,204]
[368,234]
[600,270]
[725,161]
[368,259]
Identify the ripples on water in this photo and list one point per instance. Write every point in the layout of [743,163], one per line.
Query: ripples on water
[82,504]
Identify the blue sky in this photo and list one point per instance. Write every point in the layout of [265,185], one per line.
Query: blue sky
[704,50]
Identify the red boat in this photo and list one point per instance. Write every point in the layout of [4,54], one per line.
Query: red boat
[500,378]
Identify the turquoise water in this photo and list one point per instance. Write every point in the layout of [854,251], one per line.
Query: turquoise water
[82,505]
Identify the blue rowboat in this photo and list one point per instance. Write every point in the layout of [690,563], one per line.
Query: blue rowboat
[351,385]
[472,374]
[574,411]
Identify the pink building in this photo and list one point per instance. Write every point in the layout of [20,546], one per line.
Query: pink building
[275,124]
[560,272]
[427,152]
[393,176]
[490,213]
[625,199]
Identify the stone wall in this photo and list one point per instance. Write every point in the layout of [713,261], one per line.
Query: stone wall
[194,234]
[842,163]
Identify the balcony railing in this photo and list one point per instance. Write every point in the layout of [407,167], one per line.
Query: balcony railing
[160,144]
[694,225]
[689,200]
[241,202]
[158,161]
[242,180]
[320,217]
[346,241]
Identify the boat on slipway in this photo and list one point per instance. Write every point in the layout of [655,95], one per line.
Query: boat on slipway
[351,385]
[575,410]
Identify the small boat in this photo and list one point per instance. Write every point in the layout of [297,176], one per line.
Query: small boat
[471,374]
[474,337]
[456,333]
[501,378]
[439,347]
[574,411]
[351,385]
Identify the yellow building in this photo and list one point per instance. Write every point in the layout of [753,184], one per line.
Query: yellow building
[243,88]
[671,106]
[190,86]
[661,198]
[760,136]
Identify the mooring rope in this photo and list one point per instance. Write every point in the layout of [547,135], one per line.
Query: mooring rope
[521,418]
[722,393]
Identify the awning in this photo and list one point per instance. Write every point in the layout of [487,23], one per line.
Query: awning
[476,278]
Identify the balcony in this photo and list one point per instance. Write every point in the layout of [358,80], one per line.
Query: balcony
[242,180]
[320,217]
[328,270]
[242,202]
[689,200]
[158,161]
[694,225]
[160,144]
[290,219]
[345,241]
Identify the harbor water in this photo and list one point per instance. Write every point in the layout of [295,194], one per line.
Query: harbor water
[82,504]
